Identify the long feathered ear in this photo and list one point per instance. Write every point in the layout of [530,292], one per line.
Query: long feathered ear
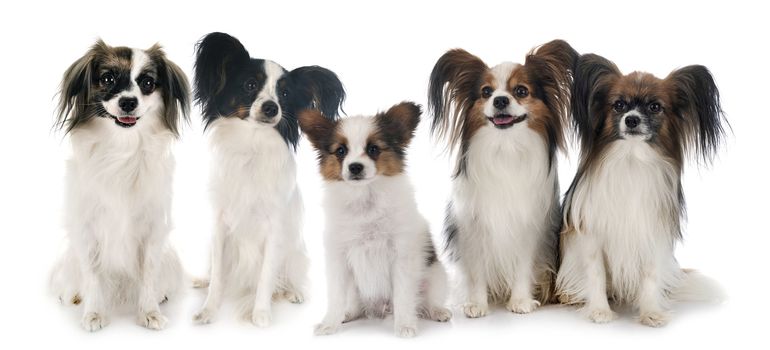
[398,124]
[550,68]
[75,89]
[176,89]
[318,128]
[594,75]
[695,101]
[453,88]
[316,87]
[217,56]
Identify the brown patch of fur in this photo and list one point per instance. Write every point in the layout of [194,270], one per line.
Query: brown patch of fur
[324,136]
[395,129]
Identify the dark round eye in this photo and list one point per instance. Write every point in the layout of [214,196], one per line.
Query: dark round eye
[147,85]
[250,85]
[107,79]
[341,151]
[655,107]
[284,93]
[372,150]
[521,91]
[486,92]
[619,106]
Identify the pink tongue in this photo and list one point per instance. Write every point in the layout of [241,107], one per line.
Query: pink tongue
[502,120]
[127,119]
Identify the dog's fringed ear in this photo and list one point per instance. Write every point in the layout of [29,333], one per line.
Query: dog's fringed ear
[75,90]
[316,87]
[318,128]
[217,55]
[454,86]
[695,101]
[176,89]
[594,76]
[551,68]
[398,124]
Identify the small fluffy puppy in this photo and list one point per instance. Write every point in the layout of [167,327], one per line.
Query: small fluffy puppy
[121,107]
[379,253]
[250,106]
[505,125]
[623,210]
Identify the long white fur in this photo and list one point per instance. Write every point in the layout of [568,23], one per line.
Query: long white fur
[625,216]
[375,242]
[505,206]
[118,205]
[257,249]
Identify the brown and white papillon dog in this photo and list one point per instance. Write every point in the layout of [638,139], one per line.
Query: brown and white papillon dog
[380,257]
[121,108]
[623,211]
[505,124]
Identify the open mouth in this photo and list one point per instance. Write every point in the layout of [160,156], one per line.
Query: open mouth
[125,121]
[503,121]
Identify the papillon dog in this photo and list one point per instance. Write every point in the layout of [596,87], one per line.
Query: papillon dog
[623,211]
[121,108]
[380,256]
[250,107]
[505,124]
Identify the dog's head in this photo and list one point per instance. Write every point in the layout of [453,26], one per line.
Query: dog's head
[465,94]
[677,115]
[359,149]
[231,84]
[124,85]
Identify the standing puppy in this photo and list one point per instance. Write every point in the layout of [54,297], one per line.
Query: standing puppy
[121,107]
[505,124]
[622,212]
[250,106]
[379,253]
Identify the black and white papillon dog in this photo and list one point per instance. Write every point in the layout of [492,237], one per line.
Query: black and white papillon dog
[380,257]
[505,124]
[623,211]
[250,107]
[121,108]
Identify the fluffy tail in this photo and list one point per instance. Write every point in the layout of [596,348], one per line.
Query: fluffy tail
[698,287]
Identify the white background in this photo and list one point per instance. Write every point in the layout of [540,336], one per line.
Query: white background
[383,53]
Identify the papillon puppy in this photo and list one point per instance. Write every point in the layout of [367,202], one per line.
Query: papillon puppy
[121,108]
[250,107]
[623,211]
[505,125]
[380,256]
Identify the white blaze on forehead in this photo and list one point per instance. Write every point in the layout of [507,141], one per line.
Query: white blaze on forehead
[357,130]
[139,61]
[501,74]
[273,73]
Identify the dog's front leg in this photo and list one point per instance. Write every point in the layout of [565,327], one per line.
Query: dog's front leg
[149,298]
[274,253]
[94,304]
[339,281]
[407,272]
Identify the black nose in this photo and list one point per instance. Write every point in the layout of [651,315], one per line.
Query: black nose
[632,121]
[501,102]
[270,109]
[128,104]
[356,168]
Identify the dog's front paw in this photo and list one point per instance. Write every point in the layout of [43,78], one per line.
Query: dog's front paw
[438,314]
[93,321]
[294,297]
[406,331]
[325,329]
[472,310]
[522,306]
[261,318]
[654,319]
[205,316]
[152,320]
[602,315]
